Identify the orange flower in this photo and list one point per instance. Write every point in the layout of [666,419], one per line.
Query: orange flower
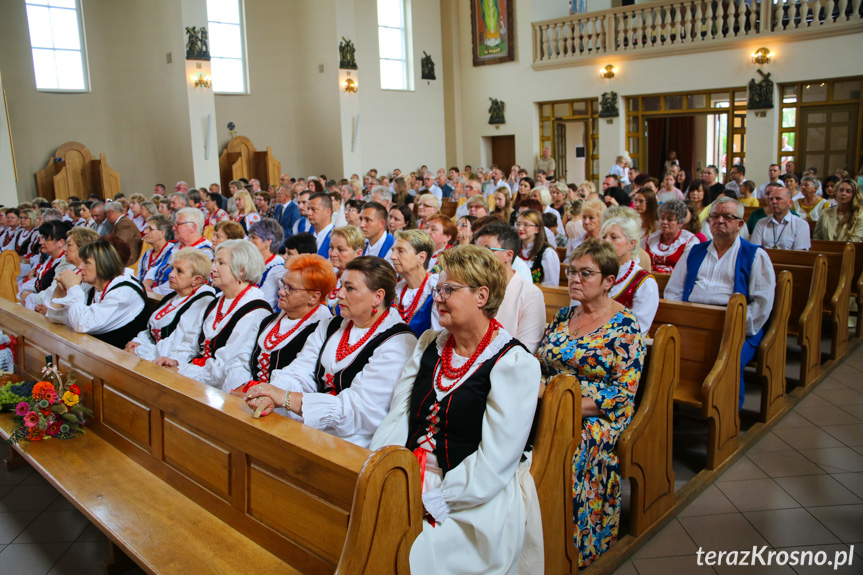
[35,434]
[44,390]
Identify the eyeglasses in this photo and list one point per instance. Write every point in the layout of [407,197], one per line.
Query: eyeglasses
[726,217]
[525,225]
[443,291]
[497,249]
[584,274]
[351,210]
[178,224]
[463,225]
[288,289]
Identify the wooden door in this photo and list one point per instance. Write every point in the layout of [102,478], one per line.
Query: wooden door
[828,138]
[503,152]
[560,151]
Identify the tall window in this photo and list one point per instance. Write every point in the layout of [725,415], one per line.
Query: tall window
[57,41]
[227,46]
[392,40]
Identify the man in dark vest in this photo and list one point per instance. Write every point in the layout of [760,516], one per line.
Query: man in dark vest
[710,272]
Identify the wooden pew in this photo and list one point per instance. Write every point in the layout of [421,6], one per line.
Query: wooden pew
[837,298]
[711,338]
[747,211]
[661,281]
[772,351]
[201,455]
[555,298]
[809,284]
[448,207]
[558,435]
[644,447]
[360,510]
[825,246]
[10,269]
[209,232]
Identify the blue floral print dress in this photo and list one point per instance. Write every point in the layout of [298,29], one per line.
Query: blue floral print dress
[607,362]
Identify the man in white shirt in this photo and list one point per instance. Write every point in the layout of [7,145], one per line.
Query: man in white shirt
[373,224]
[320,214]
[711,272]
[383,196]
[497,181]
[471,189]
[430,187]
[302,198]
[773,175]
[522,312]
[738,174]
[782,230]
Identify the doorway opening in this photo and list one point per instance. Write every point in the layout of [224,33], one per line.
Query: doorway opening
[569,128]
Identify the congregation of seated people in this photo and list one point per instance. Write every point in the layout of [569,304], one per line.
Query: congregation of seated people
[358,307]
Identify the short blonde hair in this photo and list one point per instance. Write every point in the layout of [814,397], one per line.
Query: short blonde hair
[198,260]
[435,202]
[476,267]
[592,206]
[477,200]
[420,241]
[352,235]
[137,198]
[544,195]
[82,235]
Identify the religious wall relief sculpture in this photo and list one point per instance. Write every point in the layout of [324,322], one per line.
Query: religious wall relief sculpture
[608,105]
[197,43]
[495,112]
[761,93]
[347,55]
[427,67]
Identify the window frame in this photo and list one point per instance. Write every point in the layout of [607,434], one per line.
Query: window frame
[85,61]
[244,56]
[407,45]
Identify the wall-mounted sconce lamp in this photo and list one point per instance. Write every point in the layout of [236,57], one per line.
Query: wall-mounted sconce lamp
[608,72]
[202,81]
[762,56]
[349,85]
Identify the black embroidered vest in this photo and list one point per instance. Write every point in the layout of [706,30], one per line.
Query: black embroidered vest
[166,331]
[221,338]
[343,379]
[461,412]
[283,356]
[122,335]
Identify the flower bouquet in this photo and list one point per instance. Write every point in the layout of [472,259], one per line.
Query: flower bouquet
[51,409]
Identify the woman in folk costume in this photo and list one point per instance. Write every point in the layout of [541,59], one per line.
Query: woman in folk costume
[410,256]
[268,237]
[175,324]
[155,265]
[333,384]
[53,244]
[346,243]
[221,354]
[464,405]
[114,309]
[667,245]
[302,290]
[634,288]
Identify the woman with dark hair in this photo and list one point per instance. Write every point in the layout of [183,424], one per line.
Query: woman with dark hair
[302,290]
[353,208]
[537,253]
[333,385]
[600,342]
[644,202]
[215,214]
[828,189]
[401,218]
[464,405]
[77,236]
[525,186]
[52,237]
[698,193]
[114,309]
[615,196]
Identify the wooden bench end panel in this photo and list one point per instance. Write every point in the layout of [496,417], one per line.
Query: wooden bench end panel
[558,435]
[386,517]
[644,448]
[772,351]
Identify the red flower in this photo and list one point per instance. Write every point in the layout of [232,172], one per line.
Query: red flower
[53,428]
[75,389]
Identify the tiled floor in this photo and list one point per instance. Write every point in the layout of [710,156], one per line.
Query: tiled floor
[800,487]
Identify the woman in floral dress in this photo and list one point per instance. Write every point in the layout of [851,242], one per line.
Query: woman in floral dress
[600,342]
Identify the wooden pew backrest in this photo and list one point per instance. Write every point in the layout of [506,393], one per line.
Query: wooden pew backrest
[555,298]
[258,476]
[825,246]
[771,354]
[661,281]
[10,269]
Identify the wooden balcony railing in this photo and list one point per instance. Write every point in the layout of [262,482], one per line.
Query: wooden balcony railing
[686,26]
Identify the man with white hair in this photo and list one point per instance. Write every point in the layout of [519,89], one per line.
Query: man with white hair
[125,229]
[100,223]
[383,196]
[712,271]
[471,189]
[181,187]
[546,162]
[188,230]
[430,187]
[179,200]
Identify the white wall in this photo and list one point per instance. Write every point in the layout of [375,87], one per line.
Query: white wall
[8,193]
[520,86]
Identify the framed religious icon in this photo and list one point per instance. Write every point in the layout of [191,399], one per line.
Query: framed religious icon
[493,31]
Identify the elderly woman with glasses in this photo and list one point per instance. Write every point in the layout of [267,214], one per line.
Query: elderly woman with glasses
[220,357]
[267,235]
[175,324]
[427,206]
[464,405]
[667,245]
[410,257]
[600,342]
[302,290]
[634,288]
[333,384]
[155,265]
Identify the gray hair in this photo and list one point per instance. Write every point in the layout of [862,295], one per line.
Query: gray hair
[812,180]
[115,207]
[245,261]
[630,227]
[676,208]
[182,196]
[620,212]
[544,195]
[269,229]
[51,215]
[726,200]
[193,215]
[161,223]
[385,192]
